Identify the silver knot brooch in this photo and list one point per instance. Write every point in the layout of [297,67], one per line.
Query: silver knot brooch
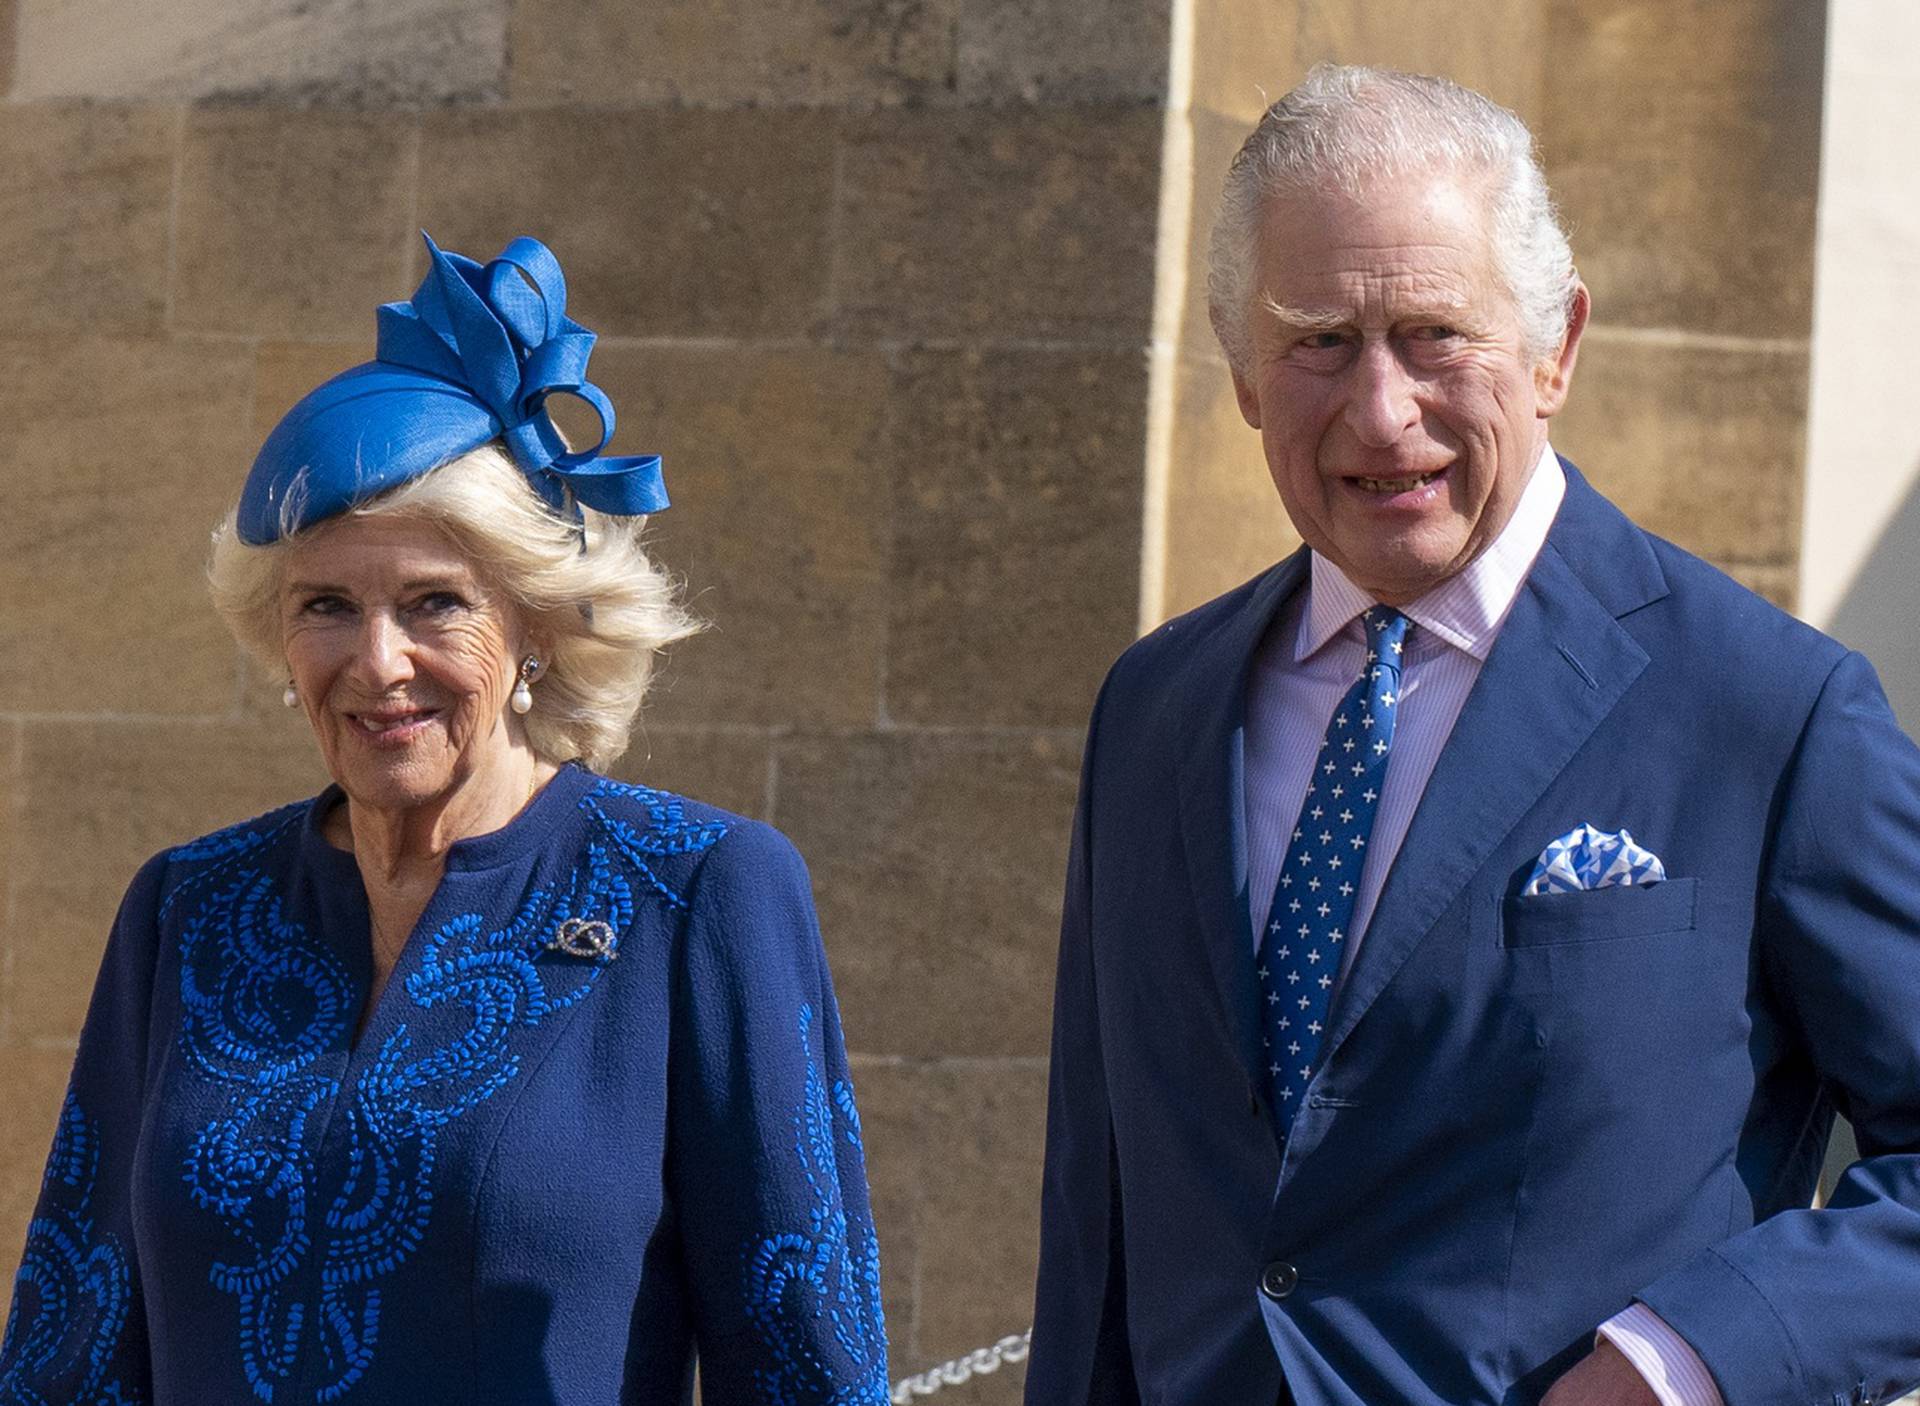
[583,937]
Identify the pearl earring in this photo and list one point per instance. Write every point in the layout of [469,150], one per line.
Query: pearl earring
[290,698]
[521,699]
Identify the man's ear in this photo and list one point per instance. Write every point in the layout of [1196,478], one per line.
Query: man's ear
[1553,377]
[1249,402]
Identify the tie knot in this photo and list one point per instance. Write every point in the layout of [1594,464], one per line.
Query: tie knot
[1386,634]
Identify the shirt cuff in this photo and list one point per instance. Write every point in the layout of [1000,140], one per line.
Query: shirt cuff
[1672,1368]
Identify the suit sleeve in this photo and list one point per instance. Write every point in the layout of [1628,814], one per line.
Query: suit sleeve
[1819,1305]
[766,1169]
[77,1328]
[1081,1355]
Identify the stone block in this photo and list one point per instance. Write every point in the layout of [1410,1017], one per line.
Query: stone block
[731,769]
[100,798]
[712,52]
[136,448]
[1225,521]
[1682,140]
[279,51]
[1701,444]
[1245,54]
[670,223]
[283,372]
[954,1155]
[1217,139]
[1016,519]
[979,1235]
[779,525]
[84,193]
[937,863]
[116,792]
[53,954]
[893,1132]
[292,224]
[12,815]
[36,1083]
[1025,224]
[1049,51]
[1496,47]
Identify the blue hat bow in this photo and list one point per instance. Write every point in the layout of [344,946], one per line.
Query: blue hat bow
[474,356]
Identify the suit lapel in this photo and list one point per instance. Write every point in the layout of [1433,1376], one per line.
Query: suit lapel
[1210,709]
[1561,663]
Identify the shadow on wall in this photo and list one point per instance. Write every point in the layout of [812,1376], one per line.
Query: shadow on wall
[1880,617]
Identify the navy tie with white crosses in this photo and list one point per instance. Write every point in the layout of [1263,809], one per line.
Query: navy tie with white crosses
[1313,902]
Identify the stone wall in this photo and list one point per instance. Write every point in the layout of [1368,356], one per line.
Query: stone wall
[899,290]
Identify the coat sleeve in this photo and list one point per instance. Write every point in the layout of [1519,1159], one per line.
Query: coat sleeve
[1081,1355]
[1819,1305]
[77,1328]
[766,1172]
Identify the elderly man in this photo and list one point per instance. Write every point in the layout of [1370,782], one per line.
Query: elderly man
[1474,921]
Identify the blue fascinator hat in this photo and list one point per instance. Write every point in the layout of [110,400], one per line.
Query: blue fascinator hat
[472,358]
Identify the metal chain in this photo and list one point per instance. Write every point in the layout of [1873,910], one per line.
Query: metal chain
[978,1362]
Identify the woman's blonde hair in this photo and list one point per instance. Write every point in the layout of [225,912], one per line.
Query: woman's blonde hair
[603,608]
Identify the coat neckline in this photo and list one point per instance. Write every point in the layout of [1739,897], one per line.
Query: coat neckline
[530,830]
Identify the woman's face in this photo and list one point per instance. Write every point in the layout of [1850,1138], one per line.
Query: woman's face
[403,659]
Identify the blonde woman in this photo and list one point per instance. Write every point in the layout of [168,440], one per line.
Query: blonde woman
[477,1077]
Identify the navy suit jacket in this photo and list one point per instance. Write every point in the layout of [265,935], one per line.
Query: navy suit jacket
[1531,1110]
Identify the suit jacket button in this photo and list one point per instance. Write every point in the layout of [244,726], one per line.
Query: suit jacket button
[1278,1279]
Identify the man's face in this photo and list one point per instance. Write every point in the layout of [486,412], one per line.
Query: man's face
[1399,409]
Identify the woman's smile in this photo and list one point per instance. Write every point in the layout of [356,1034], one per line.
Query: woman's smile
[392,728]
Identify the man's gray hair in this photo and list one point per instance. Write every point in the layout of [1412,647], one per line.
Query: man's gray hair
[1344,127]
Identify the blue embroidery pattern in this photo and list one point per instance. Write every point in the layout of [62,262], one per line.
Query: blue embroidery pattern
[669,832]
[831,1270]
[79,1284]
[223,850]
[263,1000]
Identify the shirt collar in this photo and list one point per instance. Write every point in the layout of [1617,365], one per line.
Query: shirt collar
[1465,610]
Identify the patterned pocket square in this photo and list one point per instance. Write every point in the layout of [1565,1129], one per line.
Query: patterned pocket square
[1586,859]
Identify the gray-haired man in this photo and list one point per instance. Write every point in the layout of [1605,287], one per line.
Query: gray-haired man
[1473,921]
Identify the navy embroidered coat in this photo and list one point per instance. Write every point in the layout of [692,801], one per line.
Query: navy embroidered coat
[600,1114]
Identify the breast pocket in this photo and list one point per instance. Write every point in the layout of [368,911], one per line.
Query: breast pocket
[1599,915]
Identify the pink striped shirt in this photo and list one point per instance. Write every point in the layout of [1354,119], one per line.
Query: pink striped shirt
[1310,657]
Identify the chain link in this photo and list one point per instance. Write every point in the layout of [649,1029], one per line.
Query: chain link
[976,1363]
